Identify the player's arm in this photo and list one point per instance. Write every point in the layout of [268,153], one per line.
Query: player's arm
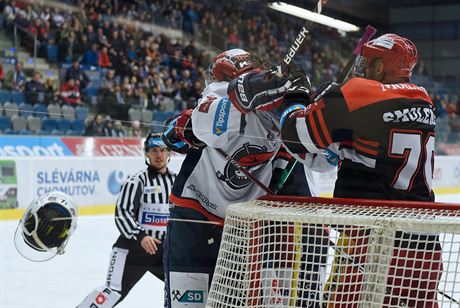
[319,127]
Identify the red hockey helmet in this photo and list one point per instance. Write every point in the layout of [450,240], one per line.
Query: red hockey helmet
[229,65]
[398,53]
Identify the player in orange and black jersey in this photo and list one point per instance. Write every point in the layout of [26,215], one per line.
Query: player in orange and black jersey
[382,128]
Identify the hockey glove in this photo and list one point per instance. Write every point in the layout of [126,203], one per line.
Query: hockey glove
[261,91]
[184,130]
[171,139]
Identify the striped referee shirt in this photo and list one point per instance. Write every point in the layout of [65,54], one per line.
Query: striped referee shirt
[142,192]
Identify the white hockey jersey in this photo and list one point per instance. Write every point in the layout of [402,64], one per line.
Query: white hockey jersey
[207,181]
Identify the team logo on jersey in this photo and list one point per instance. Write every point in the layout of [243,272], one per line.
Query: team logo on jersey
[221,117]
[250,156]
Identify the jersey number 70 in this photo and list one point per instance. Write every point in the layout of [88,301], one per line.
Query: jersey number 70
[417,152]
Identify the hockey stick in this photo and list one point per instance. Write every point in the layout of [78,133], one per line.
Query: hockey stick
[368,33]
[298,42]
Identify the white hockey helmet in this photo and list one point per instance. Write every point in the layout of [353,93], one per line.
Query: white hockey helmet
[46,226]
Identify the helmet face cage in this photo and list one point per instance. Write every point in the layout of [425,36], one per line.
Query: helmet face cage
[46,227]
[360,66]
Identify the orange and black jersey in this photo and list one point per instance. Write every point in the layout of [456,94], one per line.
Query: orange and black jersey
[384,134]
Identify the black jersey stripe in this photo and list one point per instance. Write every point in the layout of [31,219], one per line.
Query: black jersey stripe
[160,193]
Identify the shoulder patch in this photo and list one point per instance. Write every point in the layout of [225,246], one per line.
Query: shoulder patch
[361,92]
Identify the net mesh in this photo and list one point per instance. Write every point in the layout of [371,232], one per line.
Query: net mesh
[310,253]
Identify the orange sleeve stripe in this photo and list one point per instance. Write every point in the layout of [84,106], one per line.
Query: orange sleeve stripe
[361,92]
[368,142]
[324,129]
[315,131]
[366,150]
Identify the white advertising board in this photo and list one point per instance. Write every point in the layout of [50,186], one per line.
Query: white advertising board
[97,180]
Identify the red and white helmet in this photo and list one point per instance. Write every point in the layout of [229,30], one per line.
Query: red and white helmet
[398,53]
[229,65]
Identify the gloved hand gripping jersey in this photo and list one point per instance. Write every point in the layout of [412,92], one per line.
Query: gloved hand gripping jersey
[179,136]
[266,90]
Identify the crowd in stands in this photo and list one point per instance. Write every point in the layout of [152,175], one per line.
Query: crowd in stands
[140,69]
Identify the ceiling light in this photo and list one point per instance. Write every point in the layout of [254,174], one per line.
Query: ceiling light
[314,17]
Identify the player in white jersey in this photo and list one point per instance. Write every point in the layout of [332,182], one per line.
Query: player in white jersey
[208,182]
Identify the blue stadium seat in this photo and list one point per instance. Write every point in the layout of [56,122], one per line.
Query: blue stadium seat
[77,125]
[52,53]
[158,116]
[4,96]
[63,124]
[81,113]
[17,97]
[25,110]
[49,124]
[40,110]
[5,124]
[92,91]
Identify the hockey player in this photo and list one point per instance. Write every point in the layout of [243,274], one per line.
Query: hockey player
[141,215]
[46,226]
[207,182]
[384,126]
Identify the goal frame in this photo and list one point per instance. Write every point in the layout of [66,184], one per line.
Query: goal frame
[441,210]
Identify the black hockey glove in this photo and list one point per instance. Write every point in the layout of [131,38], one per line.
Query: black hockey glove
[323,89]
[261,91]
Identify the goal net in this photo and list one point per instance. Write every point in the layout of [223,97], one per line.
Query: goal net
[320,252]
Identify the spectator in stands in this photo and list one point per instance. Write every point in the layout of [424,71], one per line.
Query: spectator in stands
[81,47]
[131,50]
[116,42]
[135,130]
[190,16]
[108,100]
[91,57]
[2,74]
[439,106]
[15,79]
[67,46]
[92,37]
[75,72]
[51,91]
[108,129]
[35,89]
[123,69]
[119,131]
[104,60]
[70,93]
[95,128]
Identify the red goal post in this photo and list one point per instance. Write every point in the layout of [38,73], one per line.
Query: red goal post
[283,251]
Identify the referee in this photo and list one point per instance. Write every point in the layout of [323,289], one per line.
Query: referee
[141,216]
